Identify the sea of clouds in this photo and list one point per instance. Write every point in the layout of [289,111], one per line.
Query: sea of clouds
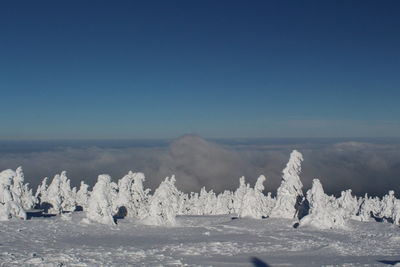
[371,166]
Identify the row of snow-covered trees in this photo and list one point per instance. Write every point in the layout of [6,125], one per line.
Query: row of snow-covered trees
[108,199]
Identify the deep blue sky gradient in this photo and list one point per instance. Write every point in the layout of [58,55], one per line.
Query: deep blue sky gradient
[159,69]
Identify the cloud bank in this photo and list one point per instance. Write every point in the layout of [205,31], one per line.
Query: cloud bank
[372,167]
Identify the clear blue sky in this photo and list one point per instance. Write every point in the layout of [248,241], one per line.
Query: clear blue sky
[154,69]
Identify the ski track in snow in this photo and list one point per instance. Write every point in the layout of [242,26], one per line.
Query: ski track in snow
[196,241]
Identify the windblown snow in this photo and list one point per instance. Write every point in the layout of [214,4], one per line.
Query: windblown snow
[124,224]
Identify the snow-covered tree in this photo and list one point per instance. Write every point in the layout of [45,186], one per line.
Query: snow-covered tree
[100,207]
[289,194]
[255,204]
[68,196]
[140,195]
[59,195]
[207,202]
[41,191]
[348,204]
[396,212]
[10,205]
[53,196]
[387,206]
[124,197]
[21,191]
[239,195]
[224,203]
[132,196]
[82,196]
[193,206]
[366,209]
[323,212]
[270,203]
[114,196]
[164,204]
[183,204]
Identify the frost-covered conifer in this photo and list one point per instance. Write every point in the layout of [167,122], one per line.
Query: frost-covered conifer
[140,196]
[224,203]
[396,212]
[239,194]
[207,202]
[59,194]
[289,194]
[193,205]
[163,204]
[131,194]
[366,208]
[41,191]
[100,207]
[387,205]
[323,212]
[10,205]
[114,196]
[255,203]
[21,191]
[82,196]
[270,203]
[183,204]
[124,198]
[53,195]
[68,196]
[348,204]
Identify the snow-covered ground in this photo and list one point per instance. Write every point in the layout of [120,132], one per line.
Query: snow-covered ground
[195,241]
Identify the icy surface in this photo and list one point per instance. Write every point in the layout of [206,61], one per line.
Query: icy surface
[194,241]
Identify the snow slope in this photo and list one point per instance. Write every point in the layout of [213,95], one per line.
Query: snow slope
[195,241]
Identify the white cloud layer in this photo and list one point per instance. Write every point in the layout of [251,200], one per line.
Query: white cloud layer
[364,167]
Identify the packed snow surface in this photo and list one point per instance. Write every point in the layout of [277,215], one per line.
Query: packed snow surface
[194,241]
